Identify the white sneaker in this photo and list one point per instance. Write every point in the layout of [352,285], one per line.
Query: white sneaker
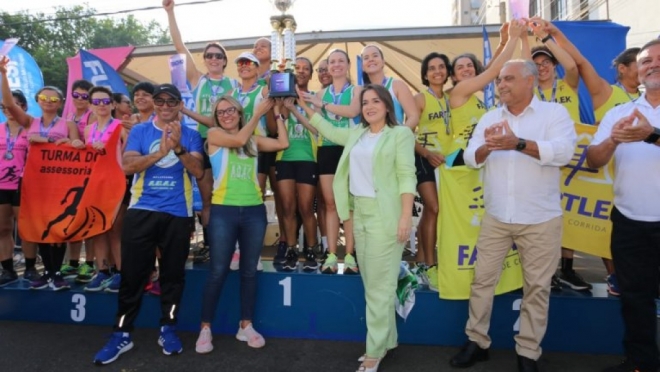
[204,341]
[249,335]
[235,260]
[260,266]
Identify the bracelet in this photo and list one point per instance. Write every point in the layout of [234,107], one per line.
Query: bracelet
[545,39]
[323,106]
[280,117]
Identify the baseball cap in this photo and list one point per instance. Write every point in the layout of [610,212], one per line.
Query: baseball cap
[247,55]
[168,89]
[144,86]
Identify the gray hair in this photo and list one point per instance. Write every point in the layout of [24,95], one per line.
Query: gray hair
[528,68]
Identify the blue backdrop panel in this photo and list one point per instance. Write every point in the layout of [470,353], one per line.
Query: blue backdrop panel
[332,307]
[25,75]
[600,43]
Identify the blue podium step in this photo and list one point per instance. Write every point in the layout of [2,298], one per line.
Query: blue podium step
[332,307]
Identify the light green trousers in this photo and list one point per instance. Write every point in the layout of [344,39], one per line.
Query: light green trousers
[379,256]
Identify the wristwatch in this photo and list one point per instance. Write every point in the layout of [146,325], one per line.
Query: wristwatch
[180,152]
[521,144]
[653,137]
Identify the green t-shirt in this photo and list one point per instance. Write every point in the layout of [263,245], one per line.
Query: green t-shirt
[207,92]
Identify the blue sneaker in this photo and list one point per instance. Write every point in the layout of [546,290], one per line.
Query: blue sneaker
[98,283]
[613,285]
[169,341]
[113,283]
[119,343]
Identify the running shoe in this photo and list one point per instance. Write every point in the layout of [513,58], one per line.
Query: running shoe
[119,343]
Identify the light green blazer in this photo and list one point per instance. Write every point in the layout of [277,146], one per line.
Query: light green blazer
[394,168]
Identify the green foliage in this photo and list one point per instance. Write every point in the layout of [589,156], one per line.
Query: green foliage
[50,39]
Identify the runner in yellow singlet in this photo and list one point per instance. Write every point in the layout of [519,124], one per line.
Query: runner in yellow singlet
[551,88]
[433,137]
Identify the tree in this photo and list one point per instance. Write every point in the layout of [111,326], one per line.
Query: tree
[50,39]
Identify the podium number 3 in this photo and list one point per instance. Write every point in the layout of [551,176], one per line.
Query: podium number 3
[78,311]
[286,283]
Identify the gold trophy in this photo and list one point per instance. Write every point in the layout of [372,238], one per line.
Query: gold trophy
[283,52]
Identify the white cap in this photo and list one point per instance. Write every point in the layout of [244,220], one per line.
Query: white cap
[249,56]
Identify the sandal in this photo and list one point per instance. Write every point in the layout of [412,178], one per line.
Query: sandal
[374,368]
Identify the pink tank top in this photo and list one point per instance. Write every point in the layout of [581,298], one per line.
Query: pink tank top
[103,135]
[82,123]
[13,153]
[56,131]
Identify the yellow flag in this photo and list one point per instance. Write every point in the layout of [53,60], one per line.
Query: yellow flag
[459,222]
[587,200]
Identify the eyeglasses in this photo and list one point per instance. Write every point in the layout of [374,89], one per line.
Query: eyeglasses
[214,55]
[98,101]
[545,63]
[245,62]
[322,70]
[45,98]
[126,102]
[229,111]
[169,102]
[77,95]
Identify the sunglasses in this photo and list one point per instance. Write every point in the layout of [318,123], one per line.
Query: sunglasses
[545,63]
[322,70]
[104,101]
[245,62]
[169,102]
[229,111]
[45,98]
[214,55]
[77,95]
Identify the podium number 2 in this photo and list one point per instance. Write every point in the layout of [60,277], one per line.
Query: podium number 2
[516,307]
[78,311]
[286,283]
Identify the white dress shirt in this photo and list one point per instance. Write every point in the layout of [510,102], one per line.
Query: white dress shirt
[636,165]
[517,187]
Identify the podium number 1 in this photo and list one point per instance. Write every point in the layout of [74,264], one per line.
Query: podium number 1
[286,283]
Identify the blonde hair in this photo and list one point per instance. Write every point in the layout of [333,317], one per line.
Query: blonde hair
[248,148]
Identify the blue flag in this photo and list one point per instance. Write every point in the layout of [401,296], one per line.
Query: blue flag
[100,73]
[360,80]
[489,91]
[25,75]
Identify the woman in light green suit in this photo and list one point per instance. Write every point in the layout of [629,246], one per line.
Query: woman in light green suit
[375,186]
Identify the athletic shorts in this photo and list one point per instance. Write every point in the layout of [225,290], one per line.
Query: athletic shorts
[300,171]
[328,158]
[424,170]
[12,197]
[265,160]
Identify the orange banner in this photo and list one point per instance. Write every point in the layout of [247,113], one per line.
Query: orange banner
[69,194]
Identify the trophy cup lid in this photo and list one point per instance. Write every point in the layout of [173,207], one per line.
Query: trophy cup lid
[282,5]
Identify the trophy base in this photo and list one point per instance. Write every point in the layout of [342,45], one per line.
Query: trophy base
[282,84]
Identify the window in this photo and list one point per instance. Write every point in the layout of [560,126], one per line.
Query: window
[534,8]
[557,9]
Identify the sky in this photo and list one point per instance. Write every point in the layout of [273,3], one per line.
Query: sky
[228,19]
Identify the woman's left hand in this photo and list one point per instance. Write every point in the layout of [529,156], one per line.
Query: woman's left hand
[405,226]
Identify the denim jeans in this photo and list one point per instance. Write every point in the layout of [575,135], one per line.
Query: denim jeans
[228,225]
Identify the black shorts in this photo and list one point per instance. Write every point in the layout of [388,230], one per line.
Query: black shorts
[424,170]
[300,171]
[12,197]
[265,160]
[328,158]
[127,193]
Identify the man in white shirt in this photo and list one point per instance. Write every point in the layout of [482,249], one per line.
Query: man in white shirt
[630,133]
[521,147]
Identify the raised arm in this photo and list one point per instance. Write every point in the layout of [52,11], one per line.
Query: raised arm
[504,37]
[192,72]
[347,111]
[572,76]
[268,144]
[599,88]
[7,99]
[289,104]
[407,101]
[463,90]
[207,121]
[334,134]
